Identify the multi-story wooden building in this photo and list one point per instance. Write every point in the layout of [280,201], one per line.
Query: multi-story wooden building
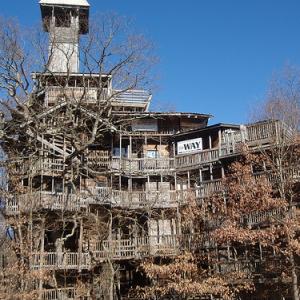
[99,208]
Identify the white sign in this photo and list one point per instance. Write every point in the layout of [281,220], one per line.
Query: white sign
[189,146]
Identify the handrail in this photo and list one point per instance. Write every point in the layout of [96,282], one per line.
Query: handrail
[133,96]
[148,165]
[112,249]
[194,159]
[58,294]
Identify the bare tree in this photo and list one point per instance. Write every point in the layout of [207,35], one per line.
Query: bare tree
[283,103]
[51,123]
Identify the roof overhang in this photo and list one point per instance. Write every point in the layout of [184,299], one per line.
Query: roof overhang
[76,3]
[210,128]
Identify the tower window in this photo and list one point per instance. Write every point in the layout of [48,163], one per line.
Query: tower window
[63,19]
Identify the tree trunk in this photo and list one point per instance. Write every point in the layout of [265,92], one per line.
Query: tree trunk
[295,288]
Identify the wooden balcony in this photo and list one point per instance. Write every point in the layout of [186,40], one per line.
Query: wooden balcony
[61,294]
[55,260]
[116,250]
[143,165]
[132,98]
[91,95]
[209,188]
[99,158]
[256,135]
[46,166]
[43,200]
[129,199]
[139,199]
[55,94]
[101,196]
[257,218]
[194,160]
[49,166]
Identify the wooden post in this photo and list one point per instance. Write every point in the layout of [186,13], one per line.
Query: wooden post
[223,171]
[220,141]
[211,171]
[210,142]
[120,155]
[200,176]
[130,147]
[42,250]
[80,241]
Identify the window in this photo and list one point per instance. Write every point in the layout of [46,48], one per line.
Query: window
[116,152]
[63,19]
[152,154]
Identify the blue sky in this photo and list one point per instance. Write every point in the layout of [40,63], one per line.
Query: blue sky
[216,56]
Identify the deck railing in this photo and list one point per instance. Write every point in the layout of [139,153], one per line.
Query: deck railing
[132,96]
[44,200]
[44,165]
[58,294]
[131,199]
[254,135]
[262,131]
[122,249]
[255,218]
[100,196]
[84,94]
[209,188]
[196,159]
[143,165]
[99,158]
[60,260]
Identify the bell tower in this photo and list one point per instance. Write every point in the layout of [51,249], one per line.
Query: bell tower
[65,21]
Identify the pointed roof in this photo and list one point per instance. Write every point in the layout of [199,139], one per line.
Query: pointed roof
[82,3]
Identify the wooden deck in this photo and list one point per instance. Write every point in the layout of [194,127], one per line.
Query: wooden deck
[101,196]
[127,199]
[115,250]
[143,165]
[257,218]
[90,95]
[196,159]
[60,294]
[255,136]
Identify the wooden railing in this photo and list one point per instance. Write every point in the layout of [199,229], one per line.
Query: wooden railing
[130,199]
[255,135]
[51,165]
[84,94]
[44,200]
[44,165]
[99,158]
[262,131]
[122,249]
[209,188]
[143,165]
[101,196]
[195,159]
[58,294]
[63,260]
[133,199]
[256,218]
[132,96]
[152,133]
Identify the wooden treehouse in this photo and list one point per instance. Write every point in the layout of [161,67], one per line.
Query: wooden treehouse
[115,199]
